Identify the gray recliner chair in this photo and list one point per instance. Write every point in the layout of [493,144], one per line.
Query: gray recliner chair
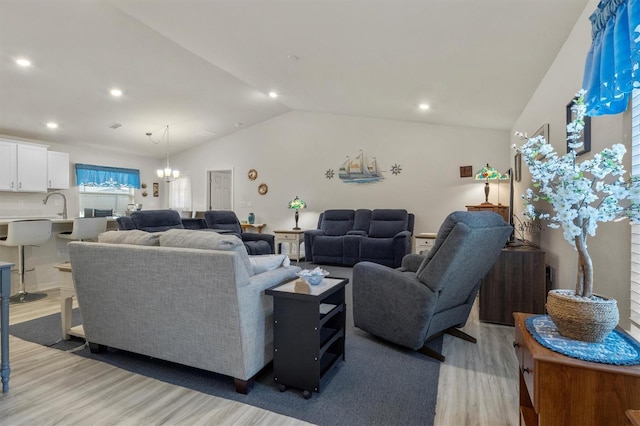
[430,295]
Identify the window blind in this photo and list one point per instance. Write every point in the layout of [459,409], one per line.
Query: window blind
[635,229]
[103,176]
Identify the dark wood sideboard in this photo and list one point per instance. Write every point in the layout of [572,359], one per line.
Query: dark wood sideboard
[562,391]
[488,207]
[517,282]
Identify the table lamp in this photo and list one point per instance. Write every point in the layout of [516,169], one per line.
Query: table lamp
[297,204]
[487,173]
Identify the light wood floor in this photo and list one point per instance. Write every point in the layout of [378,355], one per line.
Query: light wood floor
[477,386]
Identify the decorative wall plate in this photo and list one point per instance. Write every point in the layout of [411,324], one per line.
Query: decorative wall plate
[263,189]
[253,174]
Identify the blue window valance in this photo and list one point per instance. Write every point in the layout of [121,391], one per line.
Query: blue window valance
[612,68]
[103,176]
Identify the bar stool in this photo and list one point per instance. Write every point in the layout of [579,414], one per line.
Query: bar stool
[87,228]
[22,233]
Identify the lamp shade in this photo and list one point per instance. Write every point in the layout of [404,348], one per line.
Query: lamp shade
[488,173]
[297,203]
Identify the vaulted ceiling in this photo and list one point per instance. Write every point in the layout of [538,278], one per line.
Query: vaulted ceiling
[205,67]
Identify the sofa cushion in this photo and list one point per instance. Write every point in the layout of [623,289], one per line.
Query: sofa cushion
[337,222]
[157,220]
[386,223]
[268,262]
[134,236]
[188,238]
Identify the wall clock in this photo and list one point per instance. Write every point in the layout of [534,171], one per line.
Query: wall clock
[263,189]
[253,174]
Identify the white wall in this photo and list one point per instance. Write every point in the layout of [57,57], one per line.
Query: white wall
[610,249]
[292,152]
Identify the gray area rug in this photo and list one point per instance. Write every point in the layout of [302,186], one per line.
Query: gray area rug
[378,384]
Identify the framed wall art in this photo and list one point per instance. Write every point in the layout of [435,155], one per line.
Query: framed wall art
[543,131]
[586,133]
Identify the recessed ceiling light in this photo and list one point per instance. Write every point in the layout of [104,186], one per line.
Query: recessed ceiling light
[23,62]
[273,94]
[116,92]
[423,107]
[52,125]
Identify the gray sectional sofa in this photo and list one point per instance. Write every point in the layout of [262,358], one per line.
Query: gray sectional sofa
[184,296]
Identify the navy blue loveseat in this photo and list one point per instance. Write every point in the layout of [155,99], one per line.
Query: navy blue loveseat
[346,237]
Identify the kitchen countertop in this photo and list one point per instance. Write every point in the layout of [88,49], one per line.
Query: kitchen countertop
[6,220]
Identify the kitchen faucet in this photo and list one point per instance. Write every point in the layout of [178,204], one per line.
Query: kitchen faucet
[64,197]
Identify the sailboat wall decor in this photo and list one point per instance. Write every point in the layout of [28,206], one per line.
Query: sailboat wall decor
[360,170]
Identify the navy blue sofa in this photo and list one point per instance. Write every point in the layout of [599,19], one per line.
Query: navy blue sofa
[346,237]
[158,221]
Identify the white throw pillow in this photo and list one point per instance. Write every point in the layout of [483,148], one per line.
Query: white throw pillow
[267,262]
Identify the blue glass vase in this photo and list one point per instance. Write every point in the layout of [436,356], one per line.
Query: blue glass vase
[251,218]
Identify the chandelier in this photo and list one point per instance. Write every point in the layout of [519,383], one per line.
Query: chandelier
[167,173]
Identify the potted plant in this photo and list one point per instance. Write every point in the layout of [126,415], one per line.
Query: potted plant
[581,194]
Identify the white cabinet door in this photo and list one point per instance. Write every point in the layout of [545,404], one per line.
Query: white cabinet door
[32,168]
[58,170]
[8,158]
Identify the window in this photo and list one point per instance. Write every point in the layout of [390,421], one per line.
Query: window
[106,188]
[635,229]
[180,193]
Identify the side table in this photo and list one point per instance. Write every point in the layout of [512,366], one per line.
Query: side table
[423,242]
[5,293]
[67,293]
[258,226]
[294,238]
[308,332]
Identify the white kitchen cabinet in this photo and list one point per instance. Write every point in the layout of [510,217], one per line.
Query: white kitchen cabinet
[8,158]
[23,167]
[58,170]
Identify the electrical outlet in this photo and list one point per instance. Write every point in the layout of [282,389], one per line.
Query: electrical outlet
[62,252]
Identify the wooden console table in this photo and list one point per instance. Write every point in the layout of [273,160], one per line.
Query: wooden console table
[516,283]
[258,226]
[497,208]
[559,390]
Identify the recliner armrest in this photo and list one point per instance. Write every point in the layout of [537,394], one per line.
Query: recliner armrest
[402,234]
[412,262]
[252,236]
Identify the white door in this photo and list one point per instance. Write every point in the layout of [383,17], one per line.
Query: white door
[220,183]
